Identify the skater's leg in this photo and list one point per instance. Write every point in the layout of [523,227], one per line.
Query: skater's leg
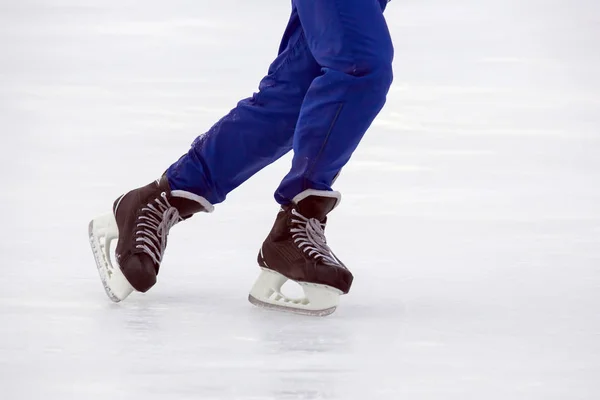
[257,131]
[351,42]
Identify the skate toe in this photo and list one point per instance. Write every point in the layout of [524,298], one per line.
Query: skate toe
[346,279]
[140,272]
[337,277]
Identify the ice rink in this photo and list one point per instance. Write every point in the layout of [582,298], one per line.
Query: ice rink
[470,214]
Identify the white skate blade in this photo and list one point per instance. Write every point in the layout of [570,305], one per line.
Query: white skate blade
[318,300]
[102,231]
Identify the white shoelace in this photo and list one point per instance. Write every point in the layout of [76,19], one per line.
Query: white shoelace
[310,237]
[155,223]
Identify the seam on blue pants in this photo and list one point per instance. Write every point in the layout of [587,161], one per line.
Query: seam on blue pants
[309,172]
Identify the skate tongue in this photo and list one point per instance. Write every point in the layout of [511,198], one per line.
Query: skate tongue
[317,203]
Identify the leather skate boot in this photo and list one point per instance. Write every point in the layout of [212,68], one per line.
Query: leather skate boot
[140,221]
[144,217]
[296,249]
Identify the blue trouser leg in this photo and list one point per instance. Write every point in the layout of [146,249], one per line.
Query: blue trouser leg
[350,40]
[319,97]
[258,131]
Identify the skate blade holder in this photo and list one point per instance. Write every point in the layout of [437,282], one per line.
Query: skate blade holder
[319,300]
[102,231]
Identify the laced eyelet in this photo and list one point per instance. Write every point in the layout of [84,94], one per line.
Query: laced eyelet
[309,236]
[155,221]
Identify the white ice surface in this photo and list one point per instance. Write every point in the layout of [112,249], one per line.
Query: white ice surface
[470,217]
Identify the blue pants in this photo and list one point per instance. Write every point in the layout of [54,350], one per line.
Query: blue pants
[321,94]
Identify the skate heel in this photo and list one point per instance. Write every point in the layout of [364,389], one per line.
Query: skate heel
[102,231]
[318,300]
